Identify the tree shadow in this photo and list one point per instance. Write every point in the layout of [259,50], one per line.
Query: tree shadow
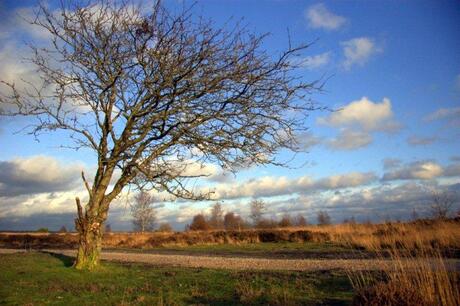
[66,260]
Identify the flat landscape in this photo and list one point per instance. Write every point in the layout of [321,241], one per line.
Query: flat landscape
[327,271]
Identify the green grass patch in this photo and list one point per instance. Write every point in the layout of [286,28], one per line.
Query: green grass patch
[44,279]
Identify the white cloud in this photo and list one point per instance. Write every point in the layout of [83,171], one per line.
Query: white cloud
[350,140]
[315,61]
[358,51]
[270,186]
[423,170]
[319,17]
[364,114]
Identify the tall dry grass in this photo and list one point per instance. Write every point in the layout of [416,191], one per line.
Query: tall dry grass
[417,272]
[444,235]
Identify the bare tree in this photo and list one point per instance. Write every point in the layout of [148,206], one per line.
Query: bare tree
[233,222]
[216,220]
[143,212]
[257,210]
[151,93]
[286,221]
[323,218]
[300,220]
[199,223]
[442,204]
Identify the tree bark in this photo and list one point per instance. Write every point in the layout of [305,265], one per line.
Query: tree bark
[89,228]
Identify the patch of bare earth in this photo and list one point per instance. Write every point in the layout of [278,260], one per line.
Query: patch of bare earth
[241,263]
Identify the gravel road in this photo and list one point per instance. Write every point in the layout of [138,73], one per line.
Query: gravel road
[237,263]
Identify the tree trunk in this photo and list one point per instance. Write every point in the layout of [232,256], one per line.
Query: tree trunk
[89,228]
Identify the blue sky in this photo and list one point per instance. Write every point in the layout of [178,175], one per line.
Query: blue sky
[392,71]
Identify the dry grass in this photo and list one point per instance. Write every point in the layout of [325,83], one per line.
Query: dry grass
[418,235]
[416,275]
[442,235]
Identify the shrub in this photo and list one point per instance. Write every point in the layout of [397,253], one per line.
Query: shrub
[43,230]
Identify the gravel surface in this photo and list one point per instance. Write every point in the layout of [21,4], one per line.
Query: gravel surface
[238,263]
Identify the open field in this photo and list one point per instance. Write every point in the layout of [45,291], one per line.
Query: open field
[360,264]
[37,279]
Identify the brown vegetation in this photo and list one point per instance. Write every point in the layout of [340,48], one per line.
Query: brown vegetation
[444,235]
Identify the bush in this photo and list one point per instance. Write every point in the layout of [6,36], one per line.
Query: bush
[43,230]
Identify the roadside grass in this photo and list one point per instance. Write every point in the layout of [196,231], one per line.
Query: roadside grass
[39,278]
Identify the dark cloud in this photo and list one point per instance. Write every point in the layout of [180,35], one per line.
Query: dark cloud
[37,174]
[33,222]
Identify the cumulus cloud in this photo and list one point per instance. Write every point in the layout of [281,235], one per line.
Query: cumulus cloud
[423,170]
[365,115]
[358,51]
[315,61]
[350,140]
[421,141]
[269,186]
[357,120]
[37,174]
[319,17]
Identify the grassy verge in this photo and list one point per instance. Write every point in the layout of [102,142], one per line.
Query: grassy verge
[38,279]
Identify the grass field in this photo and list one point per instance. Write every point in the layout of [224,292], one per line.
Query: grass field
[44,279]
[415,255]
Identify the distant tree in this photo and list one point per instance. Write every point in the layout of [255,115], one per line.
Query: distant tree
[43,230]
[442,203]
[165,227]
[63,229]
[257,210]
[216,220]
[266,223]
[232,221]
[414,214]
[286,221]
[199,223]
[351,221]
[323,218]
[143,212]
[108,228]
[300,221]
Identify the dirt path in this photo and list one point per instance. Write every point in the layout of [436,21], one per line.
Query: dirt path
[237,263]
